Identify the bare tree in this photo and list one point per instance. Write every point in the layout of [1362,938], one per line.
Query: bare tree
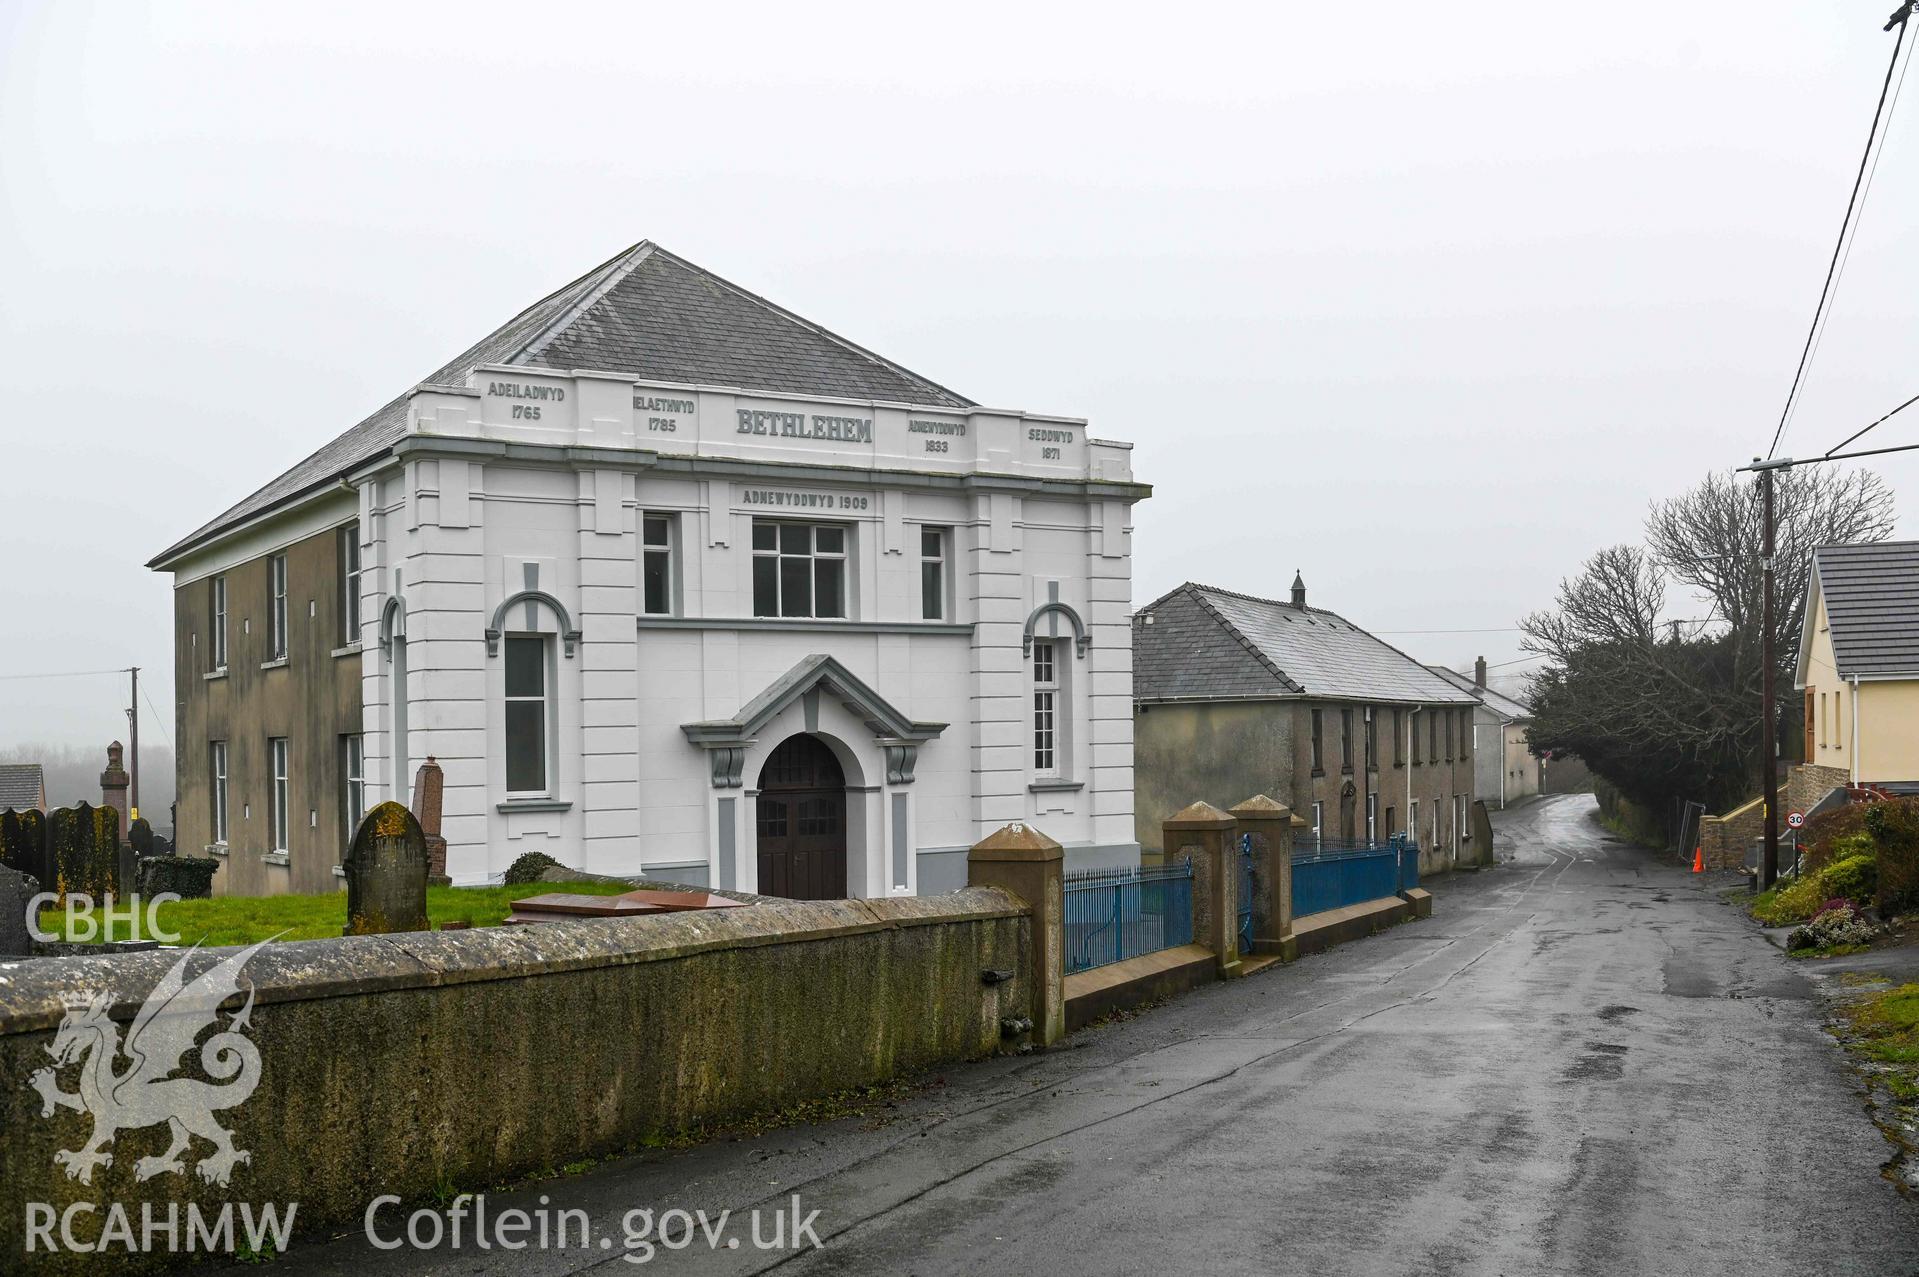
[1664,716]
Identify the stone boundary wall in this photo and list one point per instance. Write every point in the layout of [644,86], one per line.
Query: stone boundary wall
[392,1064]
[1725,839]
[1807,783]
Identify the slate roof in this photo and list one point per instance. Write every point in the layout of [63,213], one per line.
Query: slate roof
[1200,642]
[1498,702]
[645,312]
[1872,606]
[22,786]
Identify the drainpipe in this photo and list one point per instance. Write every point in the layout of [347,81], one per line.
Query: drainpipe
[1505,764]
[1855,729]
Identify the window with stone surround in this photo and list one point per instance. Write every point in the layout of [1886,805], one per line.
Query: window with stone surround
[799,569]
[349,556]
[528,706]
[659,569]
[217,789]
[217,624]
[277,607]
[278,793]
[1045,708]
[353,782]
[933,574]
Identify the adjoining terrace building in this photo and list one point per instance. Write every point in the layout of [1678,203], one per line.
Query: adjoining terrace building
[1237,695]
[668,580]
[1504,767]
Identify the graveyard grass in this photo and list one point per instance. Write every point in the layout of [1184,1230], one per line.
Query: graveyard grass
[225,920]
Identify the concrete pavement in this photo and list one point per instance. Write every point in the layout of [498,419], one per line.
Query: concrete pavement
[1582,1063]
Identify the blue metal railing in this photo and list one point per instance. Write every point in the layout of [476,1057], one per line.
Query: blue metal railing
[1331,873]
[1115,914]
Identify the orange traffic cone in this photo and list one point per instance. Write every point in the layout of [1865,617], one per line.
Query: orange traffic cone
[1699,860]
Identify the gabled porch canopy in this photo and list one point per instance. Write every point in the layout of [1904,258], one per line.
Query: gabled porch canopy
[899,735]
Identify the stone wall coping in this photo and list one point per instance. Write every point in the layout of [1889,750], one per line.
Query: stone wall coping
[1261,807]
[34,994]
[1017,841]
[1201,815]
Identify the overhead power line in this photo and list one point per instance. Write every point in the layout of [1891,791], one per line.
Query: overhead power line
[62,674]
[1895,412]
[1853,204]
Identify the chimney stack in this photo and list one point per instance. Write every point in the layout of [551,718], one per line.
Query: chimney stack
[1479,672]
[1299,589]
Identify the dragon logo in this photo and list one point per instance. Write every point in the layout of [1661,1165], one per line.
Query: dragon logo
[145,1093]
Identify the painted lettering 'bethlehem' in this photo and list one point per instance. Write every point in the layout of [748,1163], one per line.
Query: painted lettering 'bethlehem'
[794,425]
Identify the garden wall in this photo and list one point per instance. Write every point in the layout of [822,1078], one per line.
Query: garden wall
[395,1064]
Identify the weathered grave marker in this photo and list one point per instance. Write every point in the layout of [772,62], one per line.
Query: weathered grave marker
[23,844]
[429,788]
[386,873]
[16,889]
[188,877]
[83,851]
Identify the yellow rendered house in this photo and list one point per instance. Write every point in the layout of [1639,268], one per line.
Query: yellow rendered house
[1859,661]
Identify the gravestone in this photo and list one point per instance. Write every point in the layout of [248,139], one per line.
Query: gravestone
[429,789]
[188,877]
[23,844]
[83,851]
[16,889]
[386,873]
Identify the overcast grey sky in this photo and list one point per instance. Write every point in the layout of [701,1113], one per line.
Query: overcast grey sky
[1426,301]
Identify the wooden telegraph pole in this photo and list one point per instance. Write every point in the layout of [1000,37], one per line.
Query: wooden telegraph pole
[1769,713]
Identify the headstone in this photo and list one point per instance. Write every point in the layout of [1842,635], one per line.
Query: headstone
[429,789]
[16,890]
[188,877]
[83,850]
[23,844]
[386,873]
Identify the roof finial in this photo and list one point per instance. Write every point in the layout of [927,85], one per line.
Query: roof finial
[1299,589]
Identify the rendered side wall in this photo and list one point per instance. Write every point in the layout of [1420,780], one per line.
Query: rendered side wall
[311,699]
[1889,731]
[586,1038]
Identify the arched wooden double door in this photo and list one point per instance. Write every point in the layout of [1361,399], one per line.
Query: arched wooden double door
[802,822]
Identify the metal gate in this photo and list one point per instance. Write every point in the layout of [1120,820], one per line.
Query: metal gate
[1245,893]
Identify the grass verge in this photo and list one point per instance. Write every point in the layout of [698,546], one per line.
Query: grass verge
[246,919]
[1881,1030]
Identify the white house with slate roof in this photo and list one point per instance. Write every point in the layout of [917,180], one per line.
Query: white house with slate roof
[670,580]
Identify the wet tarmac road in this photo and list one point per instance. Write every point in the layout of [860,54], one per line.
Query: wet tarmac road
[1582,1063]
